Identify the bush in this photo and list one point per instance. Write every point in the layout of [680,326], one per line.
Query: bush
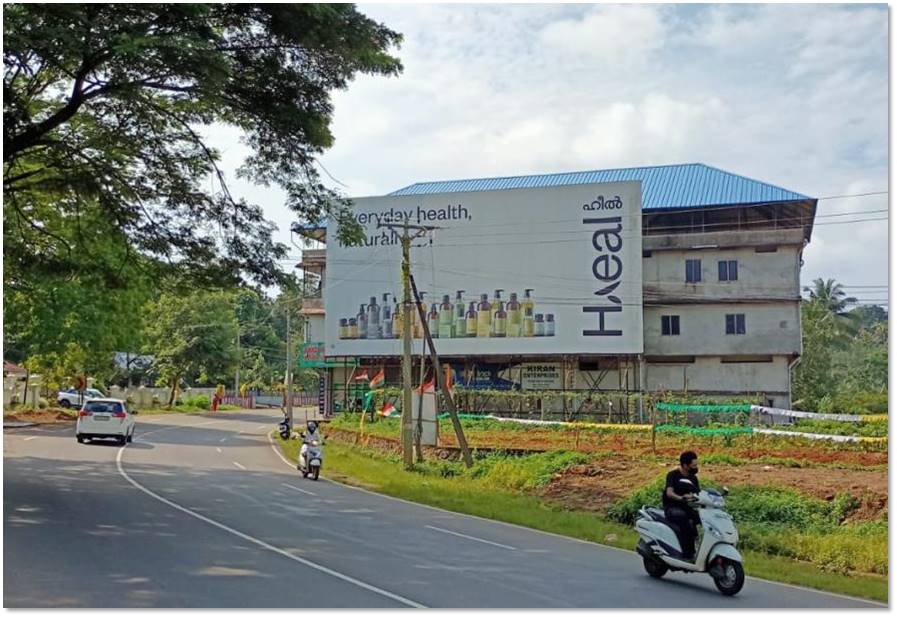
[156,400]
[524,472]
[200,401]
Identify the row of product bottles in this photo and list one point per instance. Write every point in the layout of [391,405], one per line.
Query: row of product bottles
[483,319]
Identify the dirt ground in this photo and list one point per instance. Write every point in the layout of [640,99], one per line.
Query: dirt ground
[639,444]
[39,416]
[596,486]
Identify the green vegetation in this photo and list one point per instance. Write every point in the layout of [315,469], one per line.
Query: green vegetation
[443,485]
[844,366]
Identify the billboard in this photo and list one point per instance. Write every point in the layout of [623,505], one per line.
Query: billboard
[539,271]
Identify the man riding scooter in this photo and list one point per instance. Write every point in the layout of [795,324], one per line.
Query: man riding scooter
[312,440]
[682,486]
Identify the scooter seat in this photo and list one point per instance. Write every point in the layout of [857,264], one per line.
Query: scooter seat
[658,515]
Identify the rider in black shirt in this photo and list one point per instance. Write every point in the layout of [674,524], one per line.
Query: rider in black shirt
[682,486]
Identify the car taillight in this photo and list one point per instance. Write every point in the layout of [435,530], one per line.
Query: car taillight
[83,413]
[118,414]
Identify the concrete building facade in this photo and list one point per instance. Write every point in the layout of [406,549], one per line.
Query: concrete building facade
[721,257]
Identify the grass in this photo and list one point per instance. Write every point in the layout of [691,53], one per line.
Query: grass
[434,485]
[185,409]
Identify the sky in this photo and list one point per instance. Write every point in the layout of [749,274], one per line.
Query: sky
[792,95]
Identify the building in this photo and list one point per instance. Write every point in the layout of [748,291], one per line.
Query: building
[721,260]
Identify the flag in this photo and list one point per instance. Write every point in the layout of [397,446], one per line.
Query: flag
[362,376]
[429,386]
[379,379]
[388,411]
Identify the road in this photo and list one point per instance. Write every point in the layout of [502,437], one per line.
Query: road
[203,512]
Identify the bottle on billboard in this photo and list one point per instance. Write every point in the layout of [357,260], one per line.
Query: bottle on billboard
[529,328]
[528,301]
[418,329]
[471,319]
[373,320]
[484,317]
[344,328]
[549,324]
[353,328]
[433,321]
[494,308]
[501,320]
[362,322]
[446,317]
[514,317]
[460,325]
[386,321]
[540,325]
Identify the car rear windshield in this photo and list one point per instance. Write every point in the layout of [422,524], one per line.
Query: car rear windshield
[103,407]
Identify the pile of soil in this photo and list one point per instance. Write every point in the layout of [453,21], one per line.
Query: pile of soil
[41,416]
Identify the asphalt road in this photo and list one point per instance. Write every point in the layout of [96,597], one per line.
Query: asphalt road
[203,512]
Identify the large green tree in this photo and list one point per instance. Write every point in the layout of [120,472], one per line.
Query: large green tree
[105,107]
[192,337]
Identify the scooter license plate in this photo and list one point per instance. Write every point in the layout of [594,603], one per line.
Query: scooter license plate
[315,462]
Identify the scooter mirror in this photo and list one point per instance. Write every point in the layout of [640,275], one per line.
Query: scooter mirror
[725,491]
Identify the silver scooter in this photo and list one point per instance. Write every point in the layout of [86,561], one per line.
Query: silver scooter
[716,555]
[311,460]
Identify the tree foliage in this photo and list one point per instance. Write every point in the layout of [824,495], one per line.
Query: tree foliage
[193,338]
[104,112]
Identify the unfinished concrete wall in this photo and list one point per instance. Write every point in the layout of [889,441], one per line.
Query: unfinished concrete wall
[770,329]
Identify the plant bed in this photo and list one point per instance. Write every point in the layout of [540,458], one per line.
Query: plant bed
[52,415]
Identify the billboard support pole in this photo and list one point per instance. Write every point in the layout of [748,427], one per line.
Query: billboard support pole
[443,387]
[407,455]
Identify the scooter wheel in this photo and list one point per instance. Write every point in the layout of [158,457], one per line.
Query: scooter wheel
[654,567]
[732,580]
[314,474]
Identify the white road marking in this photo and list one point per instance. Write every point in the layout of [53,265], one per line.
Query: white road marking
[296,488]
[219,450]
[222,439]
[32,437]
[239,465]
[262,543]
[461,535]
[262,425]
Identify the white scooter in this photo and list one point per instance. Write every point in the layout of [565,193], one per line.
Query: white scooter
[716,555]
[311,456]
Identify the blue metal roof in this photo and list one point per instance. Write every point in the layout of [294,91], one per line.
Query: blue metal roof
[691,185]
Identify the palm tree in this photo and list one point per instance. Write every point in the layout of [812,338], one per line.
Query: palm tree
[831,295]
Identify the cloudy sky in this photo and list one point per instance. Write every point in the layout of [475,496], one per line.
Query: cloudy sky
[792,95]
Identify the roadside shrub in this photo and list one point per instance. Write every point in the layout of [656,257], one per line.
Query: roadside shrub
[156,401]
[782,507]
[624,511]
[201,401]
[525,472]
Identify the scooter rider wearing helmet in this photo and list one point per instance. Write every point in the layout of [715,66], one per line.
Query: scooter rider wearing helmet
[311,434]
[682,487]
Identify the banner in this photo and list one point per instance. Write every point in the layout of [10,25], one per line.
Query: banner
[541,377]
[541,271]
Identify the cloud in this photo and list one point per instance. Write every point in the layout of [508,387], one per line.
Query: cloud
[609,34]
[792,95]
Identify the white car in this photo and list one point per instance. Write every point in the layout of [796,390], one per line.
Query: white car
[105,417]
[72,397]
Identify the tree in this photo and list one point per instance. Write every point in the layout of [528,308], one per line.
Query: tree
[831,294]
[812,378]
[193,337]
[869,315]
[104,111]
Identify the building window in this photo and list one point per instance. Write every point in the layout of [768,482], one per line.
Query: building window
[735,323]
[692,270]
[669,325]
[728,270]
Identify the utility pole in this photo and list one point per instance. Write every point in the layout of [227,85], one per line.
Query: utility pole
[407,432]
[289,375]
[239,362]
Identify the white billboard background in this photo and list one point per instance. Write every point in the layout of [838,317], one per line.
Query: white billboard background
[577,247]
